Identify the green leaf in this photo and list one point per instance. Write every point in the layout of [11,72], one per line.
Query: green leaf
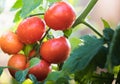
[34,61]
[68,32]
[49,82]
[27,49]
[108,34]
[81,56]
[17,5]
[53,76]
[20,76]
[106,24]
[84,76]
[100,56]
[62,80]
[28,6]
[53,1]
[57,77]
[1,70]
[17,16]
[75,42]
[33,78]
[103,78]
[113,54]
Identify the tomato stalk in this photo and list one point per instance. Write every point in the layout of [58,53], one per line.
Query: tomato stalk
[44,35]
[81,18]
[84,14]
[37,45]
[8,67]
[92,28]
[60,66]
[36,14]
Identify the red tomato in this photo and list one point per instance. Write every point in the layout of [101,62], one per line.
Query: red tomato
[40,71]
[10,43]
[55,50]
[17,61]
[60,16]
[31,30]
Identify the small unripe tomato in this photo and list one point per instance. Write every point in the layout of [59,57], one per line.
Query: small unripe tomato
[17,62]
[40,71]
[55,50]
[28,81]
[31,30]
[60,16]
[10,43]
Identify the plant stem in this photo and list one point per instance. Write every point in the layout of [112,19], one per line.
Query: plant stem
[36,14]
[92,28]
[60,66]
[86,11]
[38,45]
[45,35]
[9,67]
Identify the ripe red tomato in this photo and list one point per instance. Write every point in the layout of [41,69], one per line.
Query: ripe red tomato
[31,30]
[60,16]
[41,70]
[55,50]
[10,43]
[17,61]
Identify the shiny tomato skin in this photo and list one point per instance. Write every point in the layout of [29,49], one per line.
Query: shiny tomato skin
[31,30]
[41,70]
[17,61]
[55,50]
[60,16]
[10,43]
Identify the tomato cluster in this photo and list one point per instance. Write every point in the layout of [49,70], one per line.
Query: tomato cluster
[32,30]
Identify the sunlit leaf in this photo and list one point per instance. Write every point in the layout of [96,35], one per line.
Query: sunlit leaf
[17,16]
[34,61]
[106,24]
[28,6]
[75,42]
[17,5]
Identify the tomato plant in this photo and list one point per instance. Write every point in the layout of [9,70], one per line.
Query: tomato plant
[47,58]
